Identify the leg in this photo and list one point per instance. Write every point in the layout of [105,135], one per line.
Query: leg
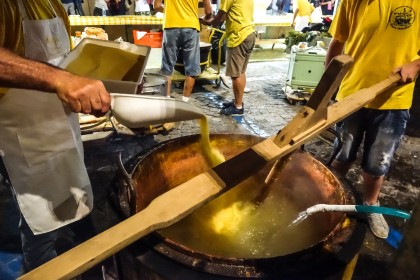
[169,55]
[37,249]
[352,131]
[236,64]
[341,167]
[188,86]
[191,54]
[383,135]
[168,86]
[238,84]
[372,186]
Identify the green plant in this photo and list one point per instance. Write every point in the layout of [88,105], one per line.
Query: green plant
[293,38]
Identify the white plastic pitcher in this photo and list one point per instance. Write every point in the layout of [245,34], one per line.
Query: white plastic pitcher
[135,111]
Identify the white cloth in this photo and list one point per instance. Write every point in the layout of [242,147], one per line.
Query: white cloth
[301,22]
[40,140]
[316,16]
[141,6]
[101,4]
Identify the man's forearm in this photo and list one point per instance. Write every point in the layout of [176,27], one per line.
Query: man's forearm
[335,48]
[207,8]
[19,72]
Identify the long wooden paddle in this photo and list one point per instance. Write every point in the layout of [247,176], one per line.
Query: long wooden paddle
[184,199]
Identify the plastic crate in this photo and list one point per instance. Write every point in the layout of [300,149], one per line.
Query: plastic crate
[151,39]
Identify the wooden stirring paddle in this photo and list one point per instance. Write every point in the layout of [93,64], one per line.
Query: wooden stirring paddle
[187,197]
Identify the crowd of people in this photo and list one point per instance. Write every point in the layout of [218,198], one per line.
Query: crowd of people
[41,147]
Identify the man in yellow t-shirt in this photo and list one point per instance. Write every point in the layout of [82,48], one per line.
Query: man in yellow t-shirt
[241,36]
[382,37]
[40,134]
[181,27]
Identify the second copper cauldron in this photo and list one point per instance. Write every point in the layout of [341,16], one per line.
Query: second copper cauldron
[301,183]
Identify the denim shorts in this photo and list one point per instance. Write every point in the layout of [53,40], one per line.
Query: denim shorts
[380,131]
[186,41]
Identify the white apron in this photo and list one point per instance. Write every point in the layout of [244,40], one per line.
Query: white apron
[40,140]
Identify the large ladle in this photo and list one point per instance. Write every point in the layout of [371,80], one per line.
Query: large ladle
[135,111]
[311,120]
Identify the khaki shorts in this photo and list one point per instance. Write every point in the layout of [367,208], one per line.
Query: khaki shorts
[237,58]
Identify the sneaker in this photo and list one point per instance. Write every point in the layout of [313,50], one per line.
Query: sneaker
[232,110]
[247,90]
[228,103]
[377,224]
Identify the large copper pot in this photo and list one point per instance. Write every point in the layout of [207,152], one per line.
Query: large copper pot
[303,180]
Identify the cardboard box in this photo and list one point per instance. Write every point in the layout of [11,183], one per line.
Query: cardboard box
[120,65]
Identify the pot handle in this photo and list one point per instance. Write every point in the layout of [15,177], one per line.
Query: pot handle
[128,188]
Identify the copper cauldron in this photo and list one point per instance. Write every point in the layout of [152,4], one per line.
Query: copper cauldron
[325,243]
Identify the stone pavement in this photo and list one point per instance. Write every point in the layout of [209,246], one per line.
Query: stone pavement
[266,109]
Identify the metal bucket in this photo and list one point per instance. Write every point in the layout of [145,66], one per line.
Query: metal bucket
[304,180]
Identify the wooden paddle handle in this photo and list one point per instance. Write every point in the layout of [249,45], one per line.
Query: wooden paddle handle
[162,212]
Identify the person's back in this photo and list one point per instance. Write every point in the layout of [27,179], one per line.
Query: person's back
[305,8]
[181,14]
[239,21]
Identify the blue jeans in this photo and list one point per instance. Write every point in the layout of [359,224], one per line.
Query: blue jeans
[37,249]
[41,248]
[185,40]
[380,131]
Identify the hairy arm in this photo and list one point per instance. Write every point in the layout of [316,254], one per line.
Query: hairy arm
[207,9]
[216,20]
[409,71]
[335,48]
[82,94]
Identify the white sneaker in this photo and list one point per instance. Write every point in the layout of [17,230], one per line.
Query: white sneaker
[377,224]
[247,90]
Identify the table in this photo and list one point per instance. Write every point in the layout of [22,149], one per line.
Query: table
[114,20]
[284,20]
[148,21]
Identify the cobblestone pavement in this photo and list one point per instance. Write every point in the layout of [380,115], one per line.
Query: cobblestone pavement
[266,109]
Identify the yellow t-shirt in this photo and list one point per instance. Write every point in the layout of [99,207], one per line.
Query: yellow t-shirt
[181,14]
[11,32]
[239,20]
[380,36]
[305,8]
